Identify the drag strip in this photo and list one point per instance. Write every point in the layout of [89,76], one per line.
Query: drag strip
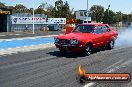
[43,66]
[48,68]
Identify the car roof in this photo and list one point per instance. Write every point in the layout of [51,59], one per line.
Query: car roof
[96,24]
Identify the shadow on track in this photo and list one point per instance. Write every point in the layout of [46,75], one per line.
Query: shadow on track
[67,55]
[74,55]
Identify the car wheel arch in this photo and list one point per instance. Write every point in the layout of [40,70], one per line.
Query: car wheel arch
[112,38]
[89,43]
[109,46]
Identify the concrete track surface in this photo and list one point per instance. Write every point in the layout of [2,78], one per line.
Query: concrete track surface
[48,68]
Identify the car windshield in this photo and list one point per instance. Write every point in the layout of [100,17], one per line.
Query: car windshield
[84,29]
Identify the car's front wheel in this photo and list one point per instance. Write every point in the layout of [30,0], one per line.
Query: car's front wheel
[111,44]
[88,49]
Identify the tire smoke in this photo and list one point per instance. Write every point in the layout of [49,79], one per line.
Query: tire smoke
[124,38]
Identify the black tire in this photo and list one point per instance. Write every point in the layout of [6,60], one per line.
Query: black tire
[88,49]
[111,44]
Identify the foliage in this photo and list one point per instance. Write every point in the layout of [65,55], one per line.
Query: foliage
[61,9]
[109,17]
[118,16]
[19,8]
[97,13]
[2,4]
[40,11]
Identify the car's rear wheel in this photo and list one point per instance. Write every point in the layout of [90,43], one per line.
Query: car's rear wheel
[111,44]
[88,49]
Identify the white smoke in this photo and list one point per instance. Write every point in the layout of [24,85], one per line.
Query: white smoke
[124,38]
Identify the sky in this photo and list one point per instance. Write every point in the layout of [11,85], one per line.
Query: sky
[125,6]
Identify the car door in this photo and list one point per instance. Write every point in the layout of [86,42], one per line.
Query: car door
[98,37]
[106,34]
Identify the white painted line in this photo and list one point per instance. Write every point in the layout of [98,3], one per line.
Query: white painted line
[18,34]
[40,44]
[20,39]
[9,48]
[1,40]
[2,35]
[124,64]
[2,49]
[111,69]
[18,47]
[113,65]
[8,40]
[32,45]
[26,49]
[89,84]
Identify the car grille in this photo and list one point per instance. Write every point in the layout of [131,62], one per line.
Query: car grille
[64,42]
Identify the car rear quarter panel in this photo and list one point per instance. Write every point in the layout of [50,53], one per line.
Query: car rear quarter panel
[114,33]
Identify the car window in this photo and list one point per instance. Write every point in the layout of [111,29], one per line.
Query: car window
[105,29]
[84,29]
[99,30]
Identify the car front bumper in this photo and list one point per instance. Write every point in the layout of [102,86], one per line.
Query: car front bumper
[69,47]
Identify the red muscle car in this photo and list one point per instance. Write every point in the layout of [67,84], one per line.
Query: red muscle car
[86,37]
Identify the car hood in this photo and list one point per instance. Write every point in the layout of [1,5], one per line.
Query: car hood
[77,36]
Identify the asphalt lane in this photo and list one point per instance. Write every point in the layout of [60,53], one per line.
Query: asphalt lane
[48,68]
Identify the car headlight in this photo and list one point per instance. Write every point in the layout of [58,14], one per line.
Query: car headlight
[74,41]
[56,40]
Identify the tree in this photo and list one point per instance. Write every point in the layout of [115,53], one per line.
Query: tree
[58,8]
[125,17]
[129,17]
[97,13]
[109,17]
[19,8]
[118,17]
[66,10]
[50,10]
[2,4]
[40,11]
[62,9]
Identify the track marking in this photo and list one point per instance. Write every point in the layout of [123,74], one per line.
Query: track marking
[26,46]
[120,66]
[113,65]
[111,69]
[2,49]
[2,35]
[9,48]
[18,34]
[25,49]
[90,84]
[23,38]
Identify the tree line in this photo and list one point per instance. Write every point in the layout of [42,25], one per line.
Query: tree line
[62,9]
[99,14]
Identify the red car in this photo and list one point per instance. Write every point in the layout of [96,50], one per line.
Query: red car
[86,37]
